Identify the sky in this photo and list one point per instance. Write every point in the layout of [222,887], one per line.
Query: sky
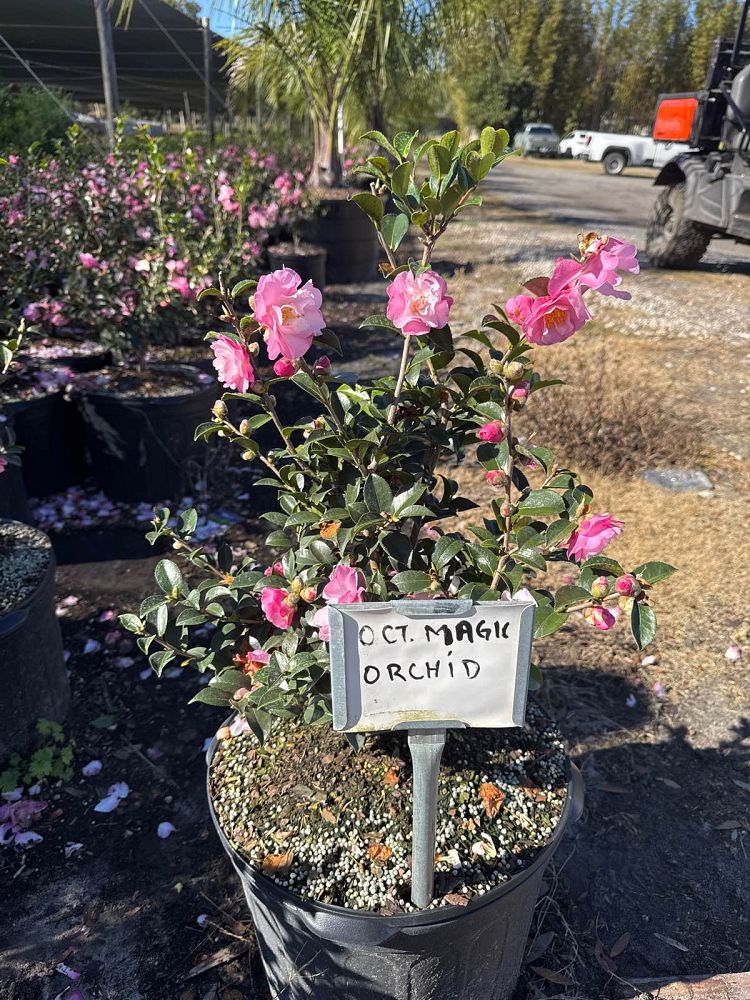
[221,21]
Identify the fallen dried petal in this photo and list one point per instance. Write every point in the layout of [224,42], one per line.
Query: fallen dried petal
[163,830]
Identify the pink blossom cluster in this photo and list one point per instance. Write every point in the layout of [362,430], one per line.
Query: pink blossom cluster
[556,310]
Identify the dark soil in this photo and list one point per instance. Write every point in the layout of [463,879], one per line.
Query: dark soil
[31,382]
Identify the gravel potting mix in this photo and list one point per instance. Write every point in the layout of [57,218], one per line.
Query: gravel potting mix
[25,554]
[334,825]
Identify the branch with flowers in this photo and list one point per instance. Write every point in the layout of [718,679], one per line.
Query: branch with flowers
[367,507]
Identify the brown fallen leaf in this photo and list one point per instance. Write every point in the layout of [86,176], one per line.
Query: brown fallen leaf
[379,853]
[328,816]
[277,864]
[553,977]
[538,946]
[620,945]
[606,963]
[671,941]
[455,899]
[492,798]
[227,954]
[329,529]
[531,789]
[731,824]
[606,786]
[391,776]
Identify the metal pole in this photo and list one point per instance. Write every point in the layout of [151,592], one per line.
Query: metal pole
[109,68]
[426,749]
[208,76]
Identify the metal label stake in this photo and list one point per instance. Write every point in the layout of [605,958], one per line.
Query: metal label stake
[426,749]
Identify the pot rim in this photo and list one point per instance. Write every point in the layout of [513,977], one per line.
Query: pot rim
[571,811]
[189,371]
[20,609]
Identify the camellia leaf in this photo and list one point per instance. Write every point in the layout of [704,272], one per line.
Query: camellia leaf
[642,624]
[541,503]
[378,496]
[549,624]
[411,581]
[371,205]
[654,572]
[394,228]
[401,178]
[568,595]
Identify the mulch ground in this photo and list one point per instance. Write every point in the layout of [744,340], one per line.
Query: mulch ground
[654,880]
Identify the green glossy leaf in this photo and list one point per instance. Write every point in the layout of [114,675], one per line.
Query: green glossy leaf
[654,572]
[569,595]
[371,205]
[541,503]
[378,495]
[411,582]
[642,624]
[394,228]
[550,623]
[401,178]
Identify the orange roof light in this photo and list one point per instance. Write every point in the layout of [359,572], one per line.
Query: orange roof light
[674,118]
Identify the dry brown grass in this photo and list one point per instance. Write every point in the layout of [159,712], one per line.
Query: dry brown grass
[612,414]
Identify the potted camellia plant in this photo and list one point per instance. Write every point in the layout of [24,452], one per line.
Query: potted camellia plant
[33,682]
[318,826]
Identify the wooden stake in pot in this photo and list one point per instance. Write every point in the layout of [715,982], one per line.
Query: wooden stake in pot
[407,665]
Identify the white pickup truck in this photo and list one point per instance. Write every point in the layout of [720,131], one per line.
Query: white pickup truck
[616,151]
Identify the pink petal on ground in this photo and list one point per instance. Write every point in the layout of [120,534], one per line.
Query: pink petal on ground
[733,653]
[120,789]
[107,804]
[13,796]
[145,674]
[67,971]
[92,768]
[106,616]
[163,830]
[111,637]
[72,848]
[154,753]
[70,601]
[92,646]
[124,661]
[28,839]
[171,672]
[202,919]
[649,661]
[66,655]
[35,789]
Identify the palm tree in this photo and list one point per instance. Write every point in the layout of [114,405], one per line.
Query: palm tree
[322,53]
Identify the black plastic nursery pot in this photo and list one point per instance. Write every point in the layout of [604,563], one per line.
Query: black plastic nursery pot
[33,681]
[14,504]
[348,236]
[324,952]
[104,544]
[50,430]
[140,447]
[92,361]
[309,262]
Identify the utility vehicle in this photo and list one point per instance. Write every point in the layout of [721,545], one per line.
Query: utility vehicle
[706,191]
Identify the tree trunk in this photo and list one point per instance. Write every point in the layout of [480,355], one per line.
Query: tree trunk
[326,169]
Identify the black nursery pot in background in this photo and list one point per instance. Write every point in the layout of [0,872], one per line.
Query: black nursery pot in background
[140,446]
[347,234]
[315,951]
[308,261]
[14,504]
[50,430]
[33,682]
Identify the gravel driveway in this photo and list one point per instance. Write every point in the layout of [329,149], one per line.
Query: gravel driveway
[534,211]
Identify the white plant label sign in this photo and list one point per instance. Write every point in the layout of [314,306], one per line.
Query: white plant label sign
[415,664]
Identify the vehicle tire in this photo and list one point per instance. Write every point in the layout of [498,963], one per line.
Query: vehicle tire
[614,162]
[672,240]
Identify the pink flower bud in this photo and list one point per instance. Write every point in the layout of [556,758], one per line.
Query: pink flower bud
[513,370]
[322,366]
[601,618]
[284,368]
[507,509]
[493,432]
[497,478]
[600,588]
[627,585]
[520,392]
[244,426]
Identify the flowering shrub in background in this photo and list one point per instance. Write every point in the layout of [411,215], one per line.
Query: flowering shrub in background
[117,247]
[367,509]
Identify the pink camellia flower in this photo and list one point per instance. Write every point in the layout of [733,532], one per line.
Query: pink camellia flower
[276,568]
[493,432]
[3,463]
[284,368]
[36,311]
[232,362]
[320,620]
[599,269]
[276,607]
[592,536]
[601,618]
[252,661]
[497,478]
[290,314]
[322,366]
[346,585]
[549,319]
[417,303]
[89,261]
